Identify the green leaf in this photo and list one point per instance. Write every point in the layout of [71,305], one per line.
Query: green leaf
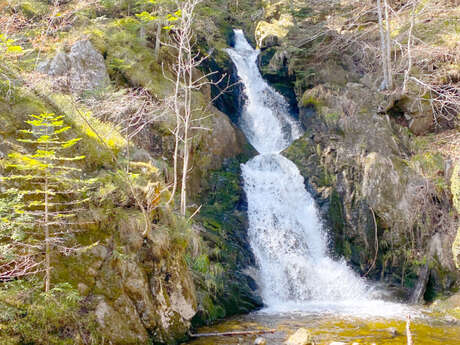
[62,130]
[70,143]
[146,17]
[14,49]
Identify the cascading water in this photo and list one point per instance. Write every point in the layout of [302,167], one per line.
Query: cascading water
[285,232]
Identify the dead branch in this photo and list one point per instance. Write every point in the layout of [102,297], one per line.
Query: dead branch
[232,334]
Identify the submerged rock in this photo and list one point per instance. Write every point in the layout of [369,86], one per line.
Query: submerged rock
[301,337]
[260,341]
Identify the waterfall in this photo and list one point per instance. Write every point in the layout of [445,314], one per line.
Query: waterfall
[285,231]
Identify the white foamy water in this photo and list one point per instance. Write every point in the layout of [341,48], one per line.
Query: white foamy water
[285,231]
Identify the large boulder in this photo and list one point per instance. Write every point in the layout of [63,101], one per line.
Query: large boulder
[81,69]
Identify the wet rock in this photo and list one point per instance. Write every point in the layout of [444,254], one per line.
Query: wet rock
[301,337]
[393,331]
[269,41]
[260,341]
[439,248]
[450,307]
[81,69]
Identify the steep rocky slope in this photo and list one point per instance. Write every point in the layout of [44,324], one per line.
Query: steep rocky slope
[135,285]
[382,165]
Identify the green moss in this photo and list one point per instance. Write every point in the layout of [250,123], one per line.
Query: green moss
[130,61]
[331,118]
[308,99]
[33,9]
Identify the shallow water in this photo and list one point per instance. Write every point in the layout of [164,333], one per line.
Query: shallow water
[327,328]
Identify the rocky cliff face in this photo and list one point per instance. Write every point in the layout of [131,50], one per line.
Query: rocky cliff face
[385,193]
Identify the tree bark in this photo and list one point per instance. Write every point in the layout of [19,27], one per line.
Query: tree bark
[47,231]
[156,52]
[409,47]
[388,47]
[382,45]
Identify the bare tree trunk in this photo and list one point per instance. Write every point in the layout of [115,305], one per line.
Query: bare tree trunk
[188,59]
[188,87]
[142,35]
[409,46]
[47,231]
[382,45]
[388,47]
[156,52]
[183,194]
[292,8]
[177,109]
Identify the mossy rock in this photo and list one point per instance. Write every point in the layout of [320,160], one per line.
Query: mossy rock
[33,9]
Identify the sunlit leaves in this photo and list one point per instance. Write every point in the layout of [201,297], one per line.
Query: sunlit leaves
[146,17]
[70,143]
[156,14]
[7,45]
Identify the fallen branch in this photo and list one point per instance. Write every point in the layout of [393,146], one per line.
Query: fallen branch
[232,334]
[408,332]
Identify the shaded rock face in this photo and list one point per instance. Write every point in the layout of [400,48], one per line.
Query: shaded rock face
[81,69]
[355,161]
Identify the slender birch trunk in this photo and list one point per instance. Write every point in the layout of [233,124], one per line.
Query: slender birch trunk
[388,46]
[409,47]
[382,45]
[156,52]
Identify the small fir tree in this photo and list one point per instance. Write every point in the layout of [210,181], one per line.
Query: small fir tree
[41,201]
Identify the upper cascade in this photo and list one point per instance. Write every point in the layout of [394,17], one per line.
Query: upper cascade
[265,119]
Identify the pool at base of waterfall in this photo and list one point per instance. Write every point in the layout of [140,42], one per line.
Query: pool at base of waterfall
[328,328]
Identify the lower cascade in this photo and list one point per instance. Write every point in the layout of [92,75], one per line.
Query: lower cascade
[285,231]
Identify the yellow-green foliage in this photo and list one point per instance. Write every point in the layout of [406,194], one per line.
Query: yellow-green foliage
[8,46]
[42,182]
[30,316]
[99,138]
[278,28]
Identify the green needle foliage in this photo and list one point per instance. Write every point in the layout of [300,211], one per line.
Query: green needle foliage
[38,211]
